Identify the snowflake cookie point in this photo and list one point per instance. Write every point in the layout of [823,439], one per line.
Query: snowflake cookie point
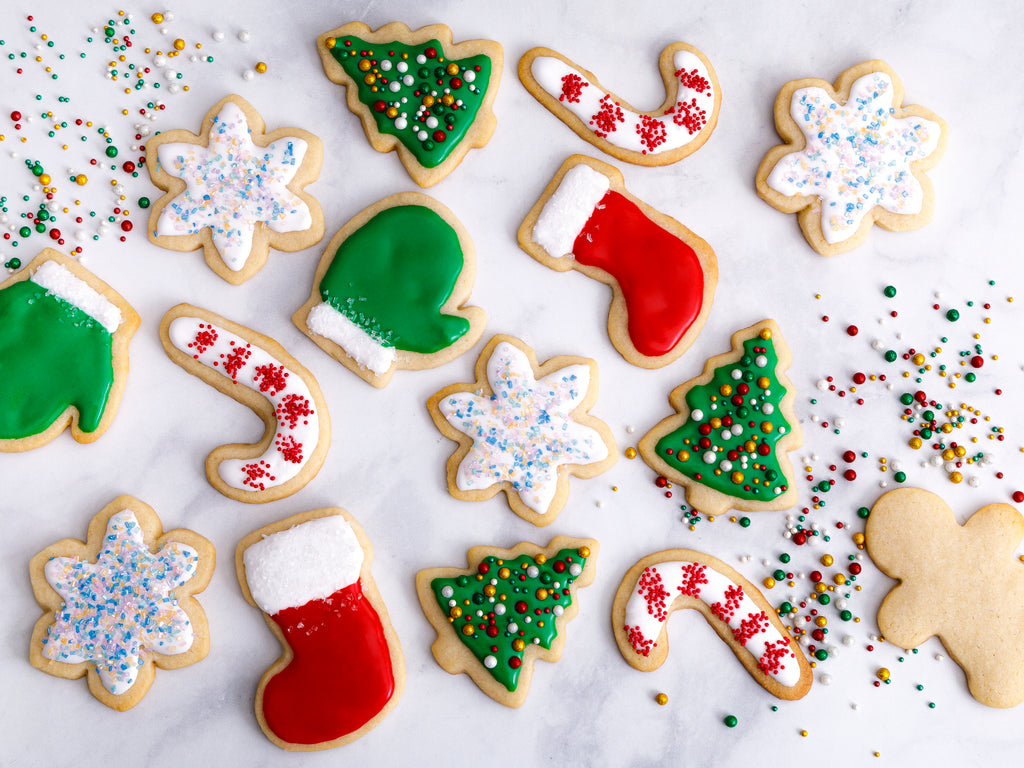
[121,603]
[854,156]
[676,579]
[211,202]
[528,596]
[523,428]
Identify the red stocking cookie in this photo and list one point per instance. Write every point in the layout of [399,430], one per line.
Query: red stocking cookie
[661,274]
[682,578]
[341,670]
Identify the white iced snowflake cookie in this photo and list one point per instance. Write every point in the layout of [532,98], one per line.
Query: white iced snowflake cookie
[234,190]
[523,428]
[121,603]
[854,156]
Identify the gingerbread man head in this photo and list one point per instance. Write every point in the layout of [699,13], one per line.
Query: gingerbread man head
[961,583]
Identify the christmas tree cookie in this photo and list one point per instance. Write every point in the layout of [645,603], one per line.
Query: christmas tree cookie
[234,190]
[390,289]
[341,669]
[661,274]
[523,428]
[121,603]
[63,353]
[668,134]
[256,371]
[677,579]
[417,92]
[853,156]
[729,443]
[507,610]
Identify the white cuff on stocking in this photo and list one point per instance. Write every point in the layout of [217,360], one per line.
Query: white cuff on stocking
[324,320]
[58,280]
[311,561]
[566,212]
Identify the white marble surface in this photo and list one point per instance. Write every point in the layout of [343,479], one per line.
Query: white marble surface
[386,464]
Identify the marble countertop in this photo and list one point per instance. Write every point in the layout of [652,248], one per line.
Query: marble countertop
[386,463]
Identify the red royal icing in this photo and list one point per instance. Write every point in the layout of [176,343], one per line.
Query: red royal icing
[659,274]
[340,676]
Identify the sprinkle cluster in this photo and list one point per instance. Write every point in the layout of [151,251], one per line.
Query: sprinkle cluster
[121,608]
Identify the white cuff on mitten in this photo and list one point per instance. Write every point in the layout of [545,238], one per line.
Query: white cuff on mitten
[58,280]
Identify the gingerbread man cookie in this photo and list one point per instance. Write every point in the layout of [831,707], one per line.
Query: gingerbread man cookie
[959,582]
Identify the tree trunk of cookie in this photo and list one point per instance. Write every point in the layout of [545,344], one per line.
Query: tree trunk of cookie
[707,500]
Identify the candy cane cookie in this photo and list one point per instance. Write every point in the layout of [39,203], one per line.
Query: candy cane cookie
[256,371]
[679,127]
[683,578]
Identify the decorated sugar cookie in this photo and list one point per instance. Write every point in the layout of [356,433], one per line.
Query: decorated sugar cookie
[661,274]
[256,371]
[121,603]
[962,583]
[523,428]
[854,156]
[234,190]
[676,579]
[416,91]
[341,669]
[63,353]
[391,288]
[678,128]
[510,608]
[729,442]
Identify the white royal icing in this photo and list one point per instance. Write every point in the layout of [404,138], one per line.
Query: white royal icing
[310,561]
[298,424]
[524,431]
[658,586]
[857,155]
[324,320]
[58,280]
[232,185]
[625,128]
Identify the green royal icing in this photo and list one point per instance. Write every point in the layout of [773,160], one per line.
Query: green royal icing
[761,477]
[52,355]
[431,80]
[392,276]
[515,611]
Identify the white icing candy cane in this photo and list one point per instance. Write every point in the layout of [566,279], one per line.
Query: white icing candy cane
[660,584]
[298,424]
[609,119]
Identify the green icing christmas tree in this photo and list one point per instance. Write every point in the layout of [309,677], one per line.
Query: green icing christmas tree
[414,92]
[727,451]
[506,606]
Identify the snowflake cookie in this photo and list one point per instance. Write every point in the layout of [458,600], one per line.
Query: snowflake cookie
[854,156]
[962,583]
[510,608]
[678,128]
[121,603]
[257,372]
[677,579]
[523,428]
[234,190]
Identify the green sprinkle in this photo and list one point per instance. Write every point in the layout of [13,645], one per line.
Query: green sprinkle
[890,291]
[730,721]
